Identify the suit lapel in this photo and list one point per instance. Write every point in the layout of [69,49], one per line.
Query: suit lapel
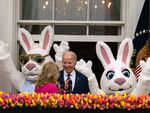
[61,79]
[77,84]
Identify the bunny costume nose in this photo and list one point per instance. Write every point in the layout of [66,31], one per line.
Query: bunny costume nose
[120,81]
[30,66]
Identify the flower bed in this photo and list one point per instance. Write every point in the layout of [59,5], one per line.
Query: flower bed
[73,101]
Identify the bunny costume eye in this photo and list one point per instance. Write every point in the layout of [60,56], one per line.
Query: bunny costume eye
[39,59]
[126,73]
[110,74]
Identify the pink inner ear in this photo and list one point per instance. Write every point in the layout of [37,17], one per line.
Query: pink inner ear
[105,56]
[46,40]
[125,53]
[24,38]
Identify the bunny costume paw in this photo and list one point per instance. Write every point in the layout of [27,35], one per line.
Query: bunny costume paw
[7,67]
[60,49]
[85,68]
[143,85]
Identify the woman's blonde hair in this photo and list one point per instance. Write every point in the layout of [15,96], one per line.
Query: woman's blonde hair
[49,74]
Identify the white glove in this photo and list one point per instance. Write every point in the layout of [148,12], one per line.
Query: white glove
[85,68]
[63,47]
[143,85]
[145,67]
[4,50]
[145,73]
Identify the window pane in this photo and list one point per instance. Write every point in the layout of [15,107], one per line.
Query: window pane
[36,9]
[70,29]
[70,9]
[104,9]
[104,30]
[33,29]
[58,29]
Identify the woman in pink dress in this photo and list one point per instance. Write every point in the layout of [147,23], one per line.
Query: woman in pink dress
[47,80]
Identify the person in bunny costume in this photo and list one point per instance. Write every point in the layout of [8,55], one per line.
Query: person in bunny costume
[117,76]
[37,54]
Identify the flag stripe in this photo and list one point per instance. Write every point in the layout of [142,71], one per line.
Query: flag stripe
[137,71]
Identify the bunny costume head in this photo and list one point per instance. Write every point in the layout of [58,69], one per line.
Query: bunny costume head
[117,75]
[36,54]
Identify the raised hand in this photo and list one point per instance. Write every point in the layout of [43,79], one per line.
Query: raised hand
[85,68]
[60,49]
[145,68]
[143,85]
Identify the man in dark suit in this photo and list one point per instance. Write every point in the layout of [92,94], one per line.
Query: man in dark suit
[70,80]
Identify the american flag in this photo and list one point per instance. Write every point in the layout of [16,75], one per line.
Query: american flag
[137,71]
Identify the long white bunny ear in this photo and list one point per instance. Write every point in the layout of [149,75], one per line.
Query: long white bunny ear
[25,39]
[125,51]
[47,38]
[104,53]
